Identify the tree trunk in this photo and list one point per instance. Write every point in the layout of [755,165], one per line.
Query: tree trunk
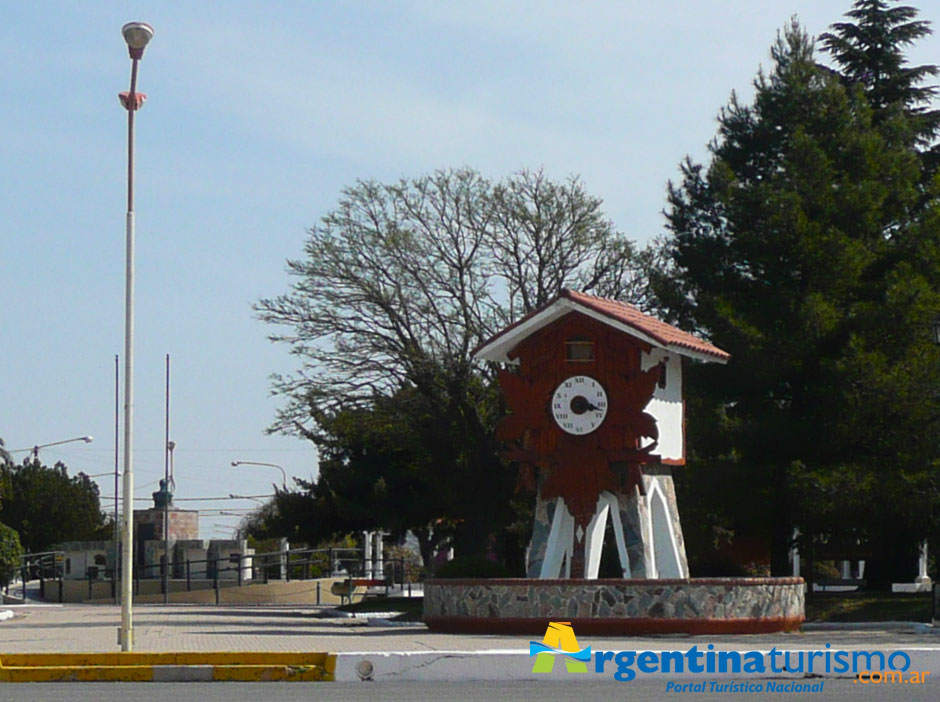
[781,529]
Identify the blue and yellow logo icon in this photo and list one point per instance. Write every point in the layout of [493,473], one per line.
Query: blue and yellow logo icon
[559,641]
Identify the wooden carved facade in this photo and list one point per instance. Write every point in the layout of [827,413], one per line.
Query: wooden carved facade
[595,425]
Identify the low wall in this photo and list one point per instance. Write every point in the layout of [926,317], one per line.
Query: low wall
[615,607]
[203,592]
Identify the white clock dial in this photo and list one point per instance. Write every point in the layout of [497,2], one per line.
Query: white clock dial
[579,405]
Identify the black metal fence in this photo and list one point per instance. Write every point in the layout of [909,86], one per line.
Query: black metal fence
[234,570]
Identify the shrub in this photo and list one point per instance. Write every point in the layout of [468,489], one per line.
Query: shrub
[472,567]
[10,552]
[396,556]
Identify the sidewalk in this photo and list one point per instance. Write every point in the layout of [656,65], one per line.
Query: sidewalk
[399,652]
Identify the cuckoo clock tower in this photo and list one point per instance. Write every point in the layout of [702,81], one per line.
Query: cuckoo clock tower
[596,426]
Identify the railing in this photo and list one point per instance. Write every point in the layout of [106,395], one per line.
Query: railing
[45,565]
[298,564]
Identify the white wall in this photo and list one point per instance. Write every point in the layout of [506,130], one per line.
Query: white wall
[666,405]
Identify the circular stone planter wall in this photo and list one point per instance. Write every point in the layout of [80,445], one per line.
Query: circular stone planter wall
[615,607]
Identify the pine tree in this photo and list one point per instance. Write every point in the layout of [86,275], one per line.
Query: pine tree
[870,52]
[798,250]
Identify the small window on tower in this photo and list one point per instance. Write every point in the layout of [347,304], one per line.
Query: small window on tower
[579,350]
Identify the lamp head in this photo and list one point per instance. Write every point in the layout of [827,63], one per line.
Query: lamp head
[88,439]
[137,35]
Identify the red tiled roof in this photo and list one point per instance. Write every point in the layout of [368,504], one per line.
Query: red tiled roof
[666,334]
[663,334]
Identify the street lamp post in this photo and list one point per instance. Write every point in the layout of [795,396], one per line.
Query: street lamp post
[246,497]
[35,449]
[137,35]
[269,465]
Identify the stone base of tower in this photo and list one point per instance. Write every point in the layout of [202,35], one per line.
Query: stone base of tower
[615,607]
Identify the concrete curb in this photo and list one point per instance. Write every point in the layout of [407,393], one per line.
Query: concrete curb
[917,627]
[510,664]
[516,664]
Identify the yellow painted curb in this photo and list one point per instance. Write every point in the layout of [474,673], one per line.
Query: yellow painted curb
[34,660]
[329,665]
[108,673]
[246,666]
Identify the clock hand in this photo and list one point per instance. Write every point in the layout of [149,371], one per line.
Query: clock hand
[580,404]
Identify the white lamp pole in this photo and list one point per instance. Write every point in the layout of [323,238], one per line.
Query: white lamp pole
[137,35]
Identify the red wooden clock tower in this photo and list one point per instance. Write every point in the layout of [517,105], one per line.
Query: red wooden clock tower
[596,424]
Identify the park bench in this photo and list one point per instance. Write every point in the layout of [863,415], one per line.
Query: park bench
[346,589]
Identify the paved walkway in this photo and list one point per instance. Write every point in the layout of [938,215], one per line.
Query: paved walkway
[93,628]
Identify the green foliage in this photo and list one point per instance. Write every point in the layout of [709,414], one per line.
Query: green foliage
[389,466]
[47,507]
[10,552]
[472,567]
[869,52]
[807,251]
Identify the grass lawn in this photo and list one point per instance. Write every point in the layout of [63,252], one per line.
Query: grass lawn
[410,607]
[867,607]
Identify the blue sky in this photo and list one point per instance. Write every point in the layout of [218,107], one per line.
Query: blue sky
[258,114]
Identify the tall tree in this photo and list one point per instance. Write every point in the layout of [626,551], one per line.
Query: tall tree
[400,283]
[402,279]
[870,52]
[798,250]
[47,506]
[379,471]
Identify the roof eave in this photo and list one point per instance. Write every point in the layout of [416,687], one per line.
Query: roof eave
[498,348]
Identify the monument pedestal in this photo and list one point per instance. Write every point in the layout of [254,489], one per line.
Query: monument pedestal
[615,607]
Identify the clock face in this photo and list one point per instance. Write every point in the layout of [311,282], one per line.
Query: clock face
[579,405]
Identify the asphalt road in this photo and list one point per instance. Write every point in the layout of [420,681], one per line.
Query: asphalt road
[606,690]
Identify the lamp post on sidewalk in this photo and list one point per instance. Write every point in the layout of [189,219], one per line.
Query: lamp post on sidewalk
[137,35]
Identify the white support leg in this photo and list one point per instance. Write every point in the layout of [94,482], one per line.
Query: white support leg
[560,542]
[594,539]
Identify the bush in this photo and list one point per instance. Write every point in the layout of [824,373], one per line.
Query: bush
[396,556]
[472,567]
[10,552]
[716,566]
